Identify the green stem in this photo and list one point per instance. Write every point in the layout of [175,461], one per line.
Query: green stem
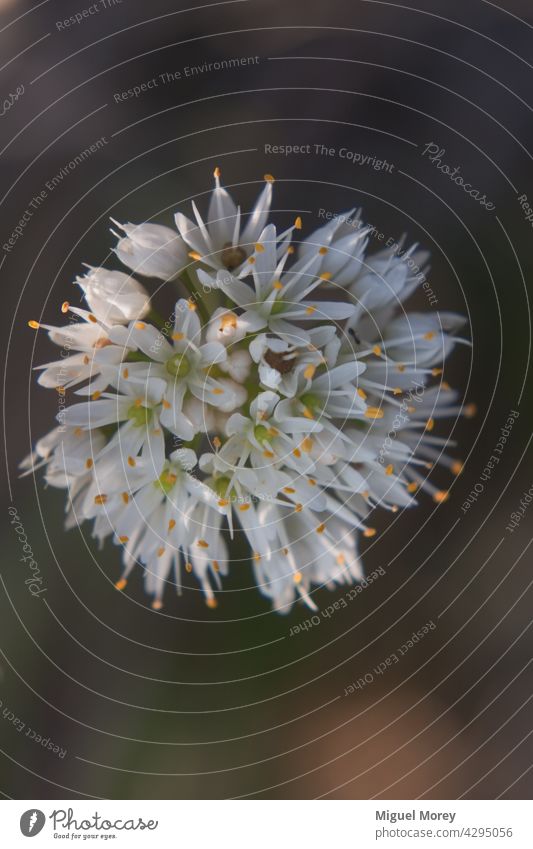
[137,357]
[157,319]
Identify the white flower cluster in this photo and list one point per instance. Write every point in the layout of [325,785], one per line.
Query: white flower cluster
[288,396]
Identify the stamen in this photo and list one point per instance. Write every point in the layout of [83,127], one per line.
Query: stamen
[100,499]
[369,532]
[374,413]
[34,324]
[65,306]
[121,584]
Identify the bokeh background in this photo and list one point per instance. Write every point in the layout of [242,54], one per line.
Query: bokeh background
[194,703]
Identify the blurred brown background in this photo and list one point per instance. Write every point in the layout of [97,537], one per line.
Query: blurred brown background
[192,703]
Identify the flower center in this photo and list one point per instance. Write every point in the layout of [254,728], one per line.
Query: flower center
[139,415]
[178,365]
[278,361]
[220,485]
[166,481]
[232,256]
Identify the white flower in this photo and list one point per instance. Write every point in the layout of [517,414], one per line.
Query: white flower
[151,250]
[222,241]
[99,348]
[278,299]
[138,411]
[163,525]
[307,394]
[114,297]
[186,365]
[281,363]
[346,244]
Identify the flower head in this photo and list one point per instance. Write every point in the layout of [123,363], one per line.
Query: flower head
[297,399]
